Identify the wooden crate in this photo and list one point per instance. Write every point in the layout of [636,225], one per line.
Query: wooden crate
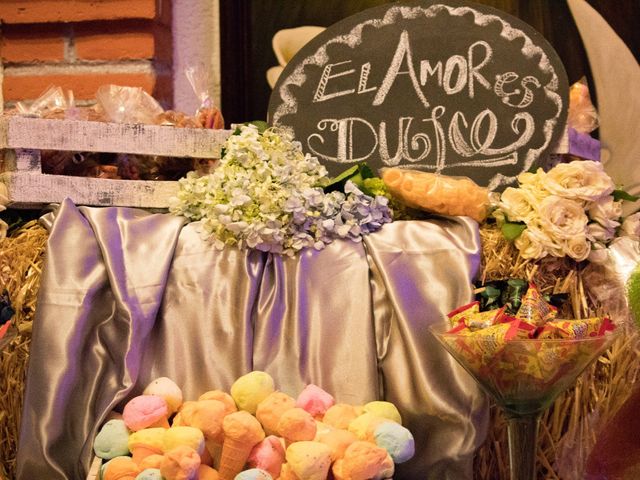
[21,140]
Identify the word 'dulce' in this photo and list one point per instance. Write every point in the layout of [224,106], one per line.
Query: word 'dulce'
[425,139]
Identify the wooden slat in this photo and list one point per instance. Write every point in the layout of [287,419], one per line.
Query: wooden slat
[81,136]
[27,190]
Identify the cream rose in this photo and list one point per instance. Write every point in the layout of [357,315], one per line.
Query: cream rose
[631,226]
[580,179]
[598,233]
[535,243]
[577,248]
[606,212]
[532,180]
[518,204]
[561,218]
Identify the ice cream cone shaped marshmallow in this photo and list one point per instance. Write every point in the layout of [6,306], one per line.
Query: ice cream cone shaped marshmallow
[180,463]
[254,474]
[250,389]
[152,461]
[205,472]
[167,389]
[183,417]
[309,460]
[183,436]
[112,440]
[315,400]
[340,415]
[396,440]
[271,409]
[296,425]
[146,442]
[384,410]
[268,455]
[365,426]
[120,468]
[363,460]
[242,431]
[146,411]
[338,441]
[287,473]
[208,417]
[221,396]
[149,474]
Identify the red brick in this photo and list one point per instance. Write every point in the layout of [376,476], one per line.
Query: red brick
[37,11]
[36,43]
[114,40]
[84,86]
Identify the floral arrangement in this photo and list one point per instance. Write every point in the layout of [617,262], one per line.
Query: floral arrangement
[267,195]
[572,210]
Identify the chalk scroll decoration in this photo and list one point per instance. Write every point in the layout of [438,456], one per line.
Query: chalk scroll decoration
[449,86]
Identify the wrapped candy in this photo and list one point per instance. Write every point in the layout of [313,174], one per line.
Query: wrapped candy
[438,193]
[534,309]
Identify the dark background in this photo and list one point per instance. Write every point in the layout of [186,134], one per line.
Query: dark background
[247,27]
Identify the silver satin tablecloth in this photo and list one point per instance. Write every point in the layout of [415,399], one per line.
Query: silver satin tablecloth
[127,296]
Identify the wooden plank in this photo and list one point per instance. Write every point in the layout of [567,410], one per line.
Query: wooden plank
[82,136]
[94,470]
[27,190]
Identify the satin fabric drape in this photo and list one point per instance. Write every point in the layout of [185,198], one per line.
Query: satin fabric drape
[127,296]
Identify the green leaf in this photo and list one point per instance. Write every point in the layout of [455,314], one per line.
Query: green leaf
[622,195]
[357,174]
[512,230]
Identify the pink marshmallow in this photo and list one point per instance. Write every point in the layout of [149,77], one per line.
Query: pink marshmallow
[315,400]
[268,455]
[144,411]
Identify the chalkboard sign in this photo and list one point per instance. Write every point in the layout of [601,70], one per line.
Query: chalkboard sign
[448,86]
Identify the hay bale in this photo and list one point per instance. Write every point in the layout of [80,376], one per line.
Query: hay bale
[568,427]
[21,257]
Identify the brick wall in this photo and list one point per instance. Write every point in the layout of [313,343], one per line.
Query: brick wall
[83,44]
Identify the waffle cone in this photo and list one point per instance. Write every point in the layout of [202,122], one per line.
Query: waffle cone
[234,456]
[215,451]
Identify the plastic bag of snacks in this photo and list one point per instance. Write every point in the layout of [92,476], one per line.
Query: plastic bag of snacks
[207,114]
[438,193]
[128,104]
[52,104]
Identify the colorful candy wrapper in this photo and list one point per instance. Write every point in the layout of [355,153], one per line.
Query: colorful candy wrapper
[459,313]
[482,320]
[460,329]
[534,309]
[589,327]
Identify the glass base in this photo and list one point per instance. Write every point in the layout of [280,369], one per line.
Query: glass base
[523,437]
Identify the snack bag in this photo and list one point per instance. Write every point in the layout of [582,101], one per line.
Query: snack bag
[438,193]
[208,115]
[127,104]
[51,104]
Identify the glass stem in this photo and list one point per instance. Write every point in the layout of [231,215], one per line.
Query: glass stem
[523,436]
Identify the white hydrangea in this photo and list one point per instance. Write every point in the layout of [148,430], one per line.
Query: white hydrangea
[264,196]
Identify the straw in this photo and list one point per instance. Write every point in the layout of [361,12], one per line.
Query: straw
[21,257]
[569,427]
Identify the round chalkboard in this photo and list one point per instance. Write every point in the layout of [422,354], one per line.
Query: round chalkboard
[448,86]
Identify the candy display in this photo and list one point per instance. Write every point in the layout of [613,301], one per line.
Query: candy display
[219,438]
[511,349]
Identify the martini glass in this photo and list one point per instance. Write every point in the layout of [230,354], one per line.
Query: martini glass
[523,377]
